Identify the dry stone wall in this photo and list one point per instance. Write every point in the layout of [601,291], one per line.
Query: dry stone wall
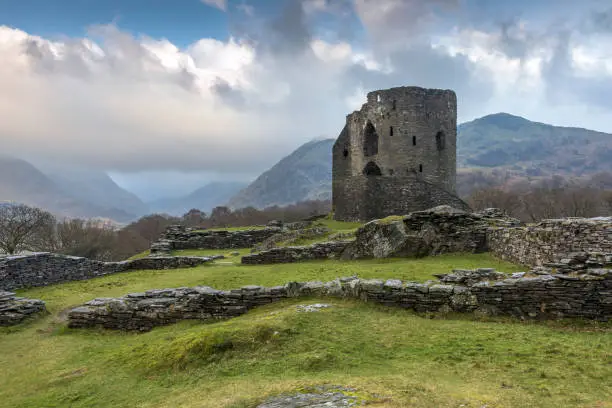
[178,237]
[535,295]
[323,250]
[551,240]
[14,310]
[42,269]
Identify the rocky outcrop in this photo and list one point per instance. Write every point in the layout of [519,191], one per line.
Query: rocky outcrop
[14,310]
[178,237]
[584,294]
[323,250]
[550,240]
[44,268]
[435,231]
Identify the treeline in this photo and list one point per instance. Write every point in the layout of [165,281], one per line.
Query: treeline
[549,197]
[24,228]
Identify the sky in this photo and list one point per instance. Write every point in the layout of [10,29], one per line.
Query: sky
[167,95]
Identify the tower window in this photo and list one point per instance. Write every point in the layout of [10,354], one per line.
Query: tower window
[394,104]
[345,152]
[414,140]
[440,140]
[420,168]
[371,169]
[370,140]
[390,130]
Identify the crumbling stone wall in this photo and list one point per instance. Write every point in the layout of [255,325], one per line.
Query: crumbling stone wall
[14,310]
[550,240]
[544,296]
[178,237]
[323,250]
[42,269]
[434,231]
[397,154]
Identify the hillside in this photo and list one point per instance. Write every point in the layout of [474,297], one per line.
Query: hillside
[531,148]
[21,182]
[303,175]
[94,187]
[204,199]
[502,143]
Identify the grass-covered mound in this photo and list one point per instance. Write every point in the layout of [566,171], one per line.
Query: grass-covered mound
[402,358]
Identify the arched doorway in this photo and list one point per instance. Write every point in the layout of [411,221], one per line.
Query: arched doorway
[372,169]
[370,140]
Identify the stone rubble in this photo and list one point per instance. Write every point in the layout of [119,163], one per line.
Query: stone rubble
[435,231]
[551,296]
[14,310]
[178,237]
[312,308]
[323,250]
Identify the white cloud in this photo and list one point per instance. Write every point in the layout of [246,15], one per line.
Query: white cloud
[140,104]
[220,4]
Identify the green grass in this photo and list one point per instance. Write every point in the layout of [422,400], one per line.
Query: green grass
[340,226]
[410,360]
[143,254]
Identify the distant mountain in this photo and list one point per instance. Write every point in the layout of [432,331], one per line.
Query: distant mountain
[204,199]
[531,148]
[21,182]
[303,175]
[95,187]
[516,146]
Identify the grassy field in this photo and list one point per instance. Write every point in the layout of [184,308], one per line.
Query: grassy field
[394,357]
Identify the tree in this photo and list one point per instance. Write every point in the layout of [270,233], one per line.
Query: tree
[87,239]
[24,228]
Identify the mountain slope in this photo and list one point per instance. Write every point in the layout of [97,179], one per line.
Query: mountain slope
[303,175]
[501,141]
[21,182]
[94,187]
[515,143]
[204,199]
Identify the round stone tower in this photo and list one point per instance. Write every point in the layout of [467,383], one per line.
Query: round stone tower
[397,154]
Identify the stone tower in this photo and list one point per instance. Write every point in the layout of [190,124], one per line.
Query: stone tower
[396,155]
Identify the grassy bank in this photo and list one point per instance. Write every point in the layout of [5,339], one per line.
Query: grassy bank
[403,358]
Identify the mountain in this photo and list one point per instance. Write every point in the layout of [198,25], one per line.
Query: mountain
[501,143]
[95,187]
[204,199]
[530,148]
[303,175]
[21,182]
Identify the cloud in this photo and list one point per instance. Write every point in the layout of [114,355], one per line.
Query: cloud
[131,104]
[220,4]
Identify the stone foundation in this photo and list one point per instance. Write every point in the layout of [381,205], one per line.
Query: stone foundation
[545,296]
[14,310]
[42,269]
[323,250]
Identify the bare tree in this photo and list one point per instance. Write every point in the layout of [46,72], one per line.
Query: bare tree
[24,228]
[87,239]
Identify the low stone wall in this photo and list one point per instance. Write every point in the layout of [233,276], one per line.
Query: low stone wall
[14,310]
[323,250]
[179,237]
[544,296]
[42,269]
[549,240]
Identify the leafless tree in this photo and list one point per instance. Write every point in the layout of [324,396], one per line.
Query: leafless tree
[24,228]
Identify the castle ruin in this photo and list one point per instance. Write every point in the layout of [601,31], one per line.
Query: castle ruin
[396,155]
